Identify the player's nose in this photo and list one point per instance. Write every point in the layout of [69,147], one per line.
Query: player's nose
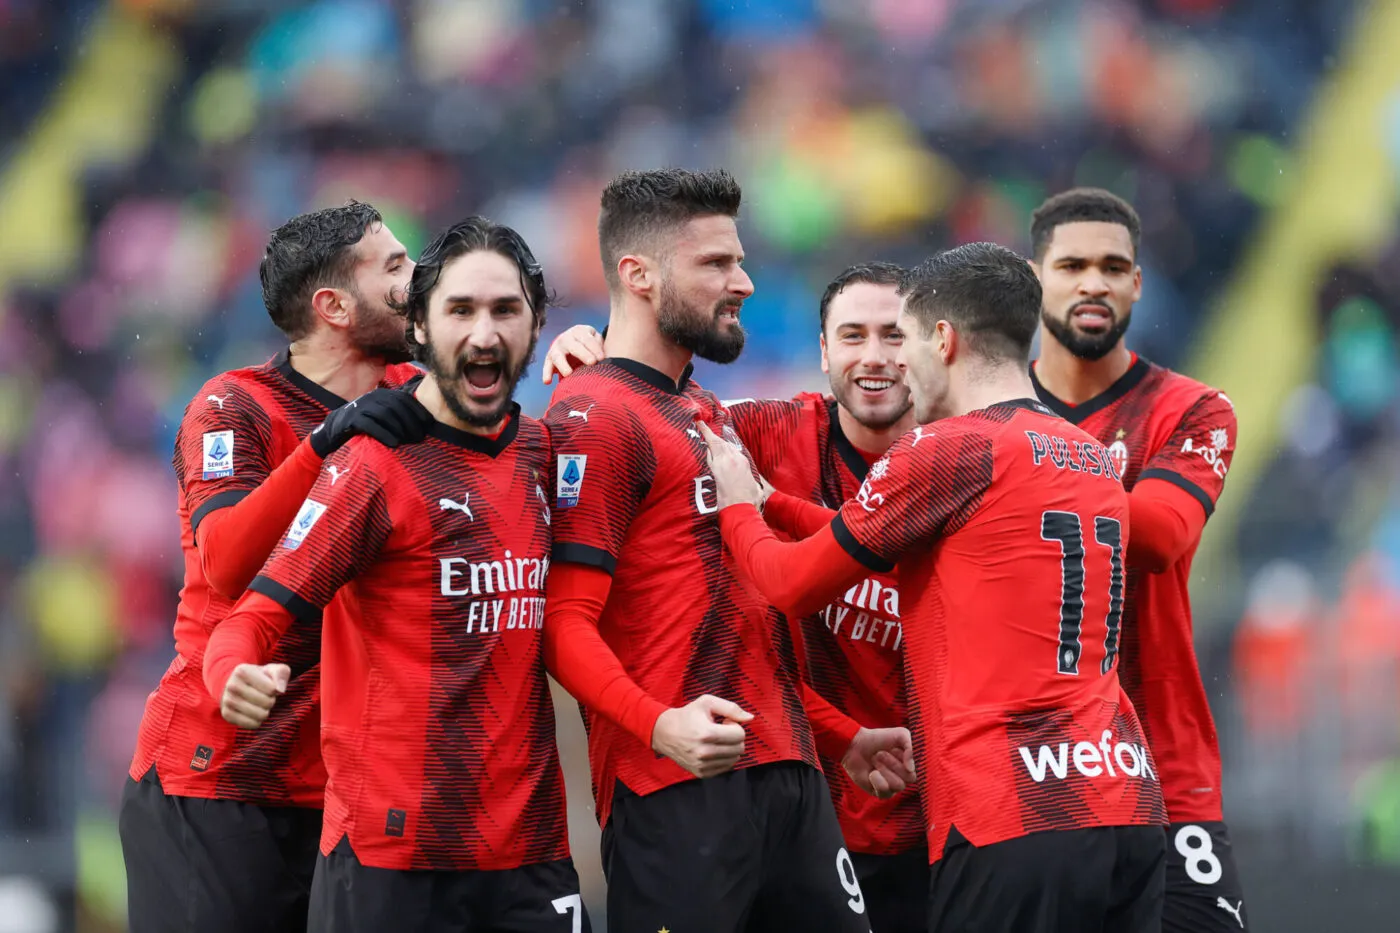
[741,284]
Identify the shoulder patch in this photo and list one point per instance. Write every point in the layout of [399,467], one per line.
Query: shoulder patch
[307,517]
[218,454]
[570,482]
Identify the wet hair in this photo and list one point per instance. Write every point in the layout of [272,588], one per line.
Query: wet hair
[870,273]
[1081,205]
[475,234]
[641,209]
[988,293]
[310,252]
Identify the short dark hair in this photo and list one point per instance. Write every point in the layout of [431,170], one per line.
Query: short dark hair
[989,294]
[639,207]
[870,273]
[1079,205]
[310,252]
[475,234]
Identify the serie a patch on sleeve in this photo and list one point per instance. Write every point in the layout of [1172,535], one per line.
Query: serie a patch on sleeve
[570,481]
[218,454]
[310,513]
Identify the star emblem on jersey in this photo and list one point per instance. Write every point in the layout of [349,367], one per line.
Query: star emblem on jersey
[447,505]
[216,400]
[1120,435]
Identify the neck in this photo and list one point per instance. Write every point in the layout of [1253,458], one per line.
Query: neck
[873,440]
[992,385]
[1074,380]
[328,359]
[633,336]
[429,395]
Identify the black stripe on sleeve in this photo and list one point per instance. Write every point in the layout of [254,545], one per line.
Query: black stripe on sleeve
[304,611]
[584,554]
[857,550]
[1181,482]
[215,502]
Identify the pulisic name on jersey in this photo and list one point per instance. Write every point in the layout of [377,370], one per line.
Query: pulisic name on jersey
[461,577]
[1075,456]
[868,612]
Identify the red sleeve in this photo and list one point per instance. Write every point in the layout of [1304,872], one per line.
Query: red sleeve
[577,656]
[223,450]
[928,485]
[1164,522]
[795,516]
[833,730]
[234,542]
[603,469]
[1197,455]
[246,636]
[340,529]
[801,577]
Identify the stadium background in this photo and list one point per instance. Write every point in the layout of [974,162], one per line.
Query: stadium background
[148,146]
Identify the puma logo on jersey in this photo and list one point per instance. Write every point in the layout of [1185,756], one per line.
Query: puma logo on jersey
[694,433]
[920,435]
[216,400]
[583,414]
[1232,911]
[448,505]
[336,472]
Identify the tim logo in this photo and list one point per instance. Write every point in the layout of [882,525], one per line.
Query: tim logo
[203,755]
[395,822]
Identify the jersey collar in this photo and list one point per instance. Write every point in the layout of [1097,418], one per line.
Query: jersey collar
[654,377]
[844,448]
[491,446]
[282,362]
[1075,414]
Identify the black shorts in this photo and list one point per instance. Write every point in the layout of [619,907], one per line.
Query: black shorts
[214,866]
[1108,879]
[348,897]
[1203,885]
[757,849]
[895,889]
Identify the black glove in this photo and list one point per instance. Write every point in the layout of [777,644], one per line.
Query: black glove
[390,416]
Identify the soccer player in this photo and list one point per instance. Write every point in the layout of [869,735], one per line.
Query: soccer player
[684,671]
[819,448]
[445,806]
[1172,438]
[219,827]
[1042,804]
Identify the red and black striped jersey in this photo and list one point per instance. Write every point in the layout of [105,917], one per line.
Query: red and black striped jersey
[237,429]
[854,650]
[1009,527]
[634,497]
[438,728]
[1158,424]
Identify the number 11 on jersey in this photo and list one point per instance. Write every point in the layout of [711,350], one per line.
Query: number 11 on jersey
[1066,528]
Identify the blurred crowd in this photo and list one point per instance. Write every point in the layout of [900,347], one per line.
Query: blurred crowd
[148,146]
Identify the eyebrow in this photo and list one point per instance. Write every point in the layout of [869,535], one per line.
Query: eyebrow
[472,299]
[1107,257]
[395,257]
[721,254]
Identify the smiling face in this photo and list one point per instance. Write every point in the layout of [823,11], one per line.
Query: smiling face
[703,287]
[1091,281]
[860,348]
[479,333]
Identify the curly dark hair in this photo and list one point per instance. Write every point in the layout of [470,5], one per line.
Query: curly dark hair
[1078,205]
[871,273]
[308,252]
[987,292]
[639,208]
[472,235]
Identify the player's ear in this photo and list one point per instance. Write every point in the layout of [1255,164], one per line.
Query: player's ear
[826,363]
[636,275]
[332,306]
[1137,284]
[945,341]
